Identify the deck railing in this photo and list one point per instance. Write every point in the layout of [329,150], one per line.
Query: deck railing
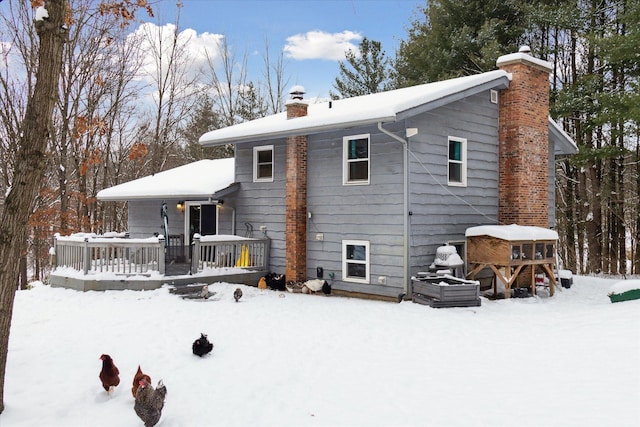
[225,251]
[90,253]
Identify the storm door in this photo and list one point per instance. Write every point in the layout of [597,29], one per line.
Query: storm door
[202,219]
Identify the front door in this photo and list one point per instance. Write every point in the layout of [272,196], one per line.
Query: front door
[202,219]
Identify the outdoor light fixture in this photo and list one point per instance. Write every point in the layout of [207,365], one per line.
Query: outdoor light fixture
[180,206]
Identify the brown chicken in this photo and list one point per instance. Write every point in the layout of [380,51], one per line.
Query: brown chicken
[109,375]
[149,402]
[136,380]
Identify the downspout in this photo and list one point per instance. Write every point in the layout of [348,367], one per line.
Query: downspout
[405,207]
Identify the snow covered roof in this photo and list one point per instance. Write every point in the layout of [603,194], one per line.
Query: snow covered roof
[195,180]
[383,107]
[513,232]
[564,144]
[380,107]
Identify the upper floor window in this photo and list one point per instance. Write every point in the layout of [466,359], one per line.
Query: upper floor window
[263,163]
[457,173]
[355,261]
[356,159]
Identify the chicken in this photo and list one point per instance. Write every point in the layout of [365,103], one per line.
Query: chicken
[204,292]
[109,375]
[201,346]
[315,285]
[139,376]
[149,402]
[237,294]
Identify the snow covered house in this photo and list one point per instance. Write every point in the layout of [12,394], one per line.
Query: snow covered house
[361,191]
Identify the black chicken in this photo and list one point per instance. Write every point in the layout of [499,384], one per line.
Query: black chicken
[201,346]
[149,402]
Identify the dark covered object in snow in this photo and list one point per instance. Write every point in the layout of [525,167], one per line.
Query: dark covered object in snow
[276,281]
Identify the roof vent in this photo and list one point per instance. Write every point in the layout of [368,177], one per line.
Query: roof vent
[525,49]
[297,92]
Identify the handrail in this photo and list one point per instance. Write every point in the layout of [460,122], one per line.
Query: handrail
[220,251]
[90,254]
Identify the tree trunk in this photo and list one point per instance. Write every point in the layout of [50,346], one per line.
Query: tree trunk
[30,167]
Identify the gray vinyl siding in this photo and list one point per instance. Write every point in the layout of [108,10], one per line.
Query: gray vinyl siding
[145,219]
[370,212]
[441,213]
[262,203]
[552,185]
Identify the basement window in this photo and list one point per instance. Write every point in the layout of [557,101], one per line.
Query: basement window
[457,171]
[355,261]
[356,159]
[263,163]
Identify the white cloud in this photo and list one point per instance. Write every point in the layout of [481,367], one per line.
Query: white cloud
[321,45]
[194,48]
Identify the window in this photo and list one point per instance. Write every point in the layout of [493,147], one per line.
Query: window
[457,162]
[263,163]
[355,261]
[356,159]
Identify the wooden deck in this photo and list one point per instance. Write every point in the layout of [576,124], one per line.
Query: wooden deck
[96,263]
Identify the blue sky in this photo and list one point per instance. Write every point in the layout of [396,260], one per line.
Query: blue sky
[313,34]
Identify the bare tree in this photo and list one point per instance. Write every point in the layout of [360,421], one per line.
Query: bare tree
[275,80]
[174,90]
[235,97]
[30,162]
[36,130]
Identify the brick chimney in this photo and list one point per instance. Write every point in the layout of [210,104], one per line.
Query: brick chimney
[524,141]
[296,193]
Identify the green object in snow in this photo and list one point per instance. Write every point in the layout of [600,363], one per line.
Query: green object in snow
[625,296]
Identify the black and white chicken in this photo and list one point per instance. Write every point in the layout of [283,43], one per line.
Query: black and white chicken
[201,346]
[237,294]
[149,402]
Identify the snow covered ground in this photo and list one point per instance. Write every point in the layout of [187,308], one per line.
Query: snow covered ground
[284,359]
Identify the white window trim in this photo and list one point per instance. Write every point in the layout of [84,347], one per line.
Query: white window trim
[364,243]
[345,160]
[256,150]
[463,162]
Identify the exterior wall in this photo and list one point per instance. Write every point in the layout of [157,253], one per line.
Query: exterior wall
[370,212]
[441,213]
[552,186]
[262,203]
[145,218]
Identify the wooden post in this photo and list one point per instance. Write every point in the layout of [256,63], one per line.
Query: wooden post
[87,256]
[160,251]
[195,254]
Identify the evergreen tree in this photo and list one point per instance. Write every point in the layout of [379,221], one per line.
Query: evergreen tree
[455,38]
[203,119]
[364,72]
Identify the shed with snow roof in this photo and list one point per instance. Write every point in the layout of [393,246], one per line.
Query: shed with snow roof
[519,256]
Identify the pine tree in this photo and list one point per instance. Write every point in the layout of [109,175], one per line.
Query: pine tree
[364,72]
[203,119]
[455,38]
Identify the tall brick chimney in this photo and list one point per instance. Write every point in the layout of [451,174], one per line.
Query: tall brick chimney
[296,193]
[524,141]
